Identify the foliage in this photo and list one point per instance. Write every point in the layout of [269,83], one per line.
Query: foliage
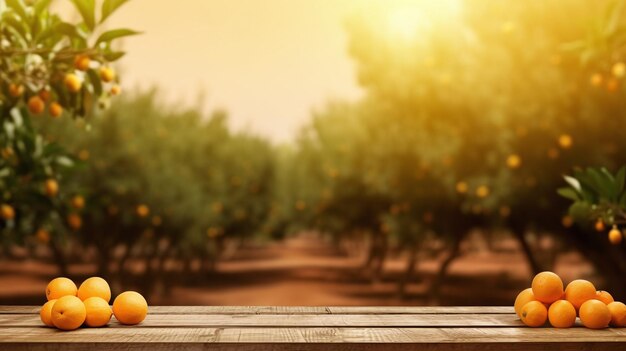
[48,67]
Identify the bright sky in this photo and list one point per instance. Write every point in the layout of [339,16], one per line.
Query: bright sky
[267,62]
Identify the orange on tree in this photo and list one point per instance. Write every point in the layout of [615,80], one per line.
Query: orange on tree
[81,62]
[36,105]
[51,187]
[579,291]
[562,314]
[604,296]
[615,236]
[482,191]
[513,161]
[130,307]
[59,287]
[74,221]
[116,90]
[107,74]
[46,313]
[78,202]
[618,314]
[68,313]
[565,141]
[72,82]
[599,226]
[55,109]
[98,312]
[547,287]
[7,212]
[94,287]
[524,297]
[16,90]
[143,211]
[594,314]
[43,236]
[44,94]
[534,314]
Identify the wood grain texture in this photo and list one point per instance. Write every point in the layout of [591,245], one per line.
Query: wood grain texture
[298,320]
[298,310]
[306,328]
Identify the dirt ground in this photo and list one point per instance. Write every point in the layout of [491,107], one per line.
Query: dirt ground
[305,270]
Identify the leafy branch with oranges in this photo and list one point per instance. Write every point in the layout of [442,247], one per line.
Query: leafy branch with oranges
[599,197]
[52,67]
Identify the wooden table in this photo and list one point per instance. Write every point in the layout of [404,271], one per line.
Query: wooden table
[306,328]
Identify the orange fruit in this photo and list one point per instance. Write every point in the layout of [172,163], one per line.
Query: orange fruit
[604,296]
[55,109]
[78,202]
[52,187]
[615,236]
[482,191]
[74,221]
[94,287]
[7,212]
[143,210]
[547,287]
[524,297]
[81,62]
[618,314]
[36,105]
[107,74]
[46,313]
[98,312]
[599,226]
[116,90]
[130,307]
[68,313]
[72,82]
[43,236]
[16,90]
[44,94]
[534,314]
[59,287]
[579,291]
[562,314]
[513,161]
[595,314]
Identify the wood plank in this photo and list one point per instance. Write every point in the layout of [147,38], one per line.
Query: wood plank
[551,336]
[299,320]
[299,310]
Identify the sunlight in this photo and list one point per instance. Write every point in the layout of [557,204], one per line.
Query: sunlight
[406,22]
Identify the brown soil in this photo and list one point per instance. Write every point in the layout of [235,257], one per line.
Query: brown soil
[305,270]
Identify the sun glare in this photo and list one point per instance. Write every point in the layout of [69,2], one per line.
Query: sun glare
[407,21]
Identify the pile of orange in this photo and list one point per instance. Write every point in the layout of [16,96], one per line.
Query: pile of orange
[69,307]
[546,301]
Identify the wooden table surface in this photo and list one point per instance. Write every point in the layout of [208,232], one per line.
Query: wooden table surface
[306,328]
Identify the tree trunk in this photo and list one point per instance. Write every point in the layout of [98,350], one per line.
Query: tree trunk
[535,267]
[59,258]
[409,271]
[443,269]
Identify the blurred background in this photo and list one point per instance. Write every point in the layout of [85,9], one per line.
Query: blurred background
[345,152]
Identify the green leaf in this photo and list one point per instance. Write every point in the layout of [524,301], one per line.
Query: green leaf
[87,9]
[114,34]
[95,82]
[109,6]
[40,6]
[573,182]
[569,193]
[67,29]
[113,55]
[19,7]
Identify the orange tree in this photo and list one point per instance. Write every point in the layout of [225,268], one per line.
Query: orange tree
[470,125]
[49,68]
[162,184]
